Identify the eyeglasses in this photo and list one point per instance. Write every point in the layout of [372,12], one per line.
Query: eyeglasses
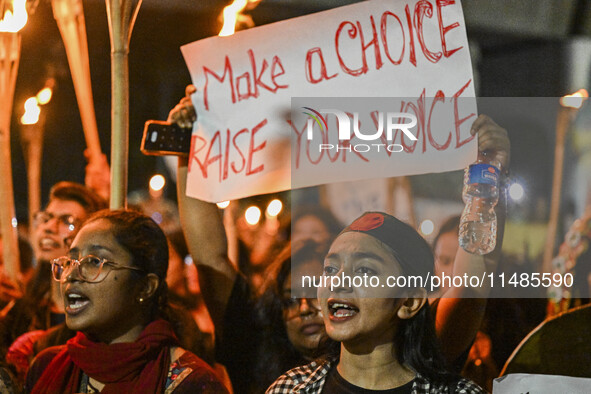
[67,223]
[90,268]
[293,303]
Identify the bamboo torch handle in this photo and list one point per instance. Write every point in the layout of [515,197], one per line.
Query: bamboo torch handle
[121,17]
[32,141]
[119,105]
[562,122]
[69,15]
[9,60]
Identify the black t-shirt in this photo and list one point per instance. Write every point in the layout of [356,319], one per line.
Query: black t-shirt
[236,345]
[335,384]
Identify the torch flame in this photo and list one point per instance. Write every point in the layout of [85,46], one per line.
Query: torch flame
[32,111]
[16,19]
[44,96]
[230,16]
[574,100]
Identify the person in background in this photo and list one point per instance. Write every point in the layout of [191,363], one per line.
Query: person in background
[182,297]
[445,246]
[288,314]
[315,223]
[25,320]
[54,228]
[113,282]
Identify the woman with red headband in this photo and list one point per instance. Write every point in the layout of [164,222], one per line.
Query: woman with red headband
[378,317]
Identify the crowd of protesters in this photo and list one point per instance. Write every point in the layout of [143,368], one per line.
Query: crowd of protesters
[104,303]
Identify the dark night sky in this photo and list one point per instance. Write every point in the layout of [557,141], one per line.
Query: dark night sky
[158,76]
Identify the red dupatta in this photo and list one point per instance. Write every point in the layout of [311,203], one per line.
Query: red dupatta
[137,367]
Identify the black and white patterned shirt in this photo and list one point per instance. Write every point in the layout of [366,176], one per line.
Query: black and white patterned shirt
[310,378]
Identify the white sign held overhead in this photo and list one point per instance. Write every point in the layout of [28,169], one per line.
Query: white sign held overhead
[245,142]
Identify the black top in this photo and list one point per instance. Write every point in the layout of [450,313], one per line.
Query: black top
[236,345]
[335,384]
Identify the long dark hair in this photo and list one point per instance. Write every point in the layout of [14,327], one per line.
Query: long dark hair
[148,246]
[146,243]
[418,347]
[276,353]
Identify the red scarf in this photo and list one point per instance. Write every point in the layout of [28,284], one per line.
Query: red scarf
[137,367]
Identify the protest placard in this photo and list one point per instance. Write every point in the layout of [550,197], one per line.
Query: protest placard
[244,140]
[521,383]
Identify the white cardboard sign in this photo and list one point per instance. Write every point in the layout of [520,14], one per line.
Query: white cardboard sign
[540,384]
[242,140]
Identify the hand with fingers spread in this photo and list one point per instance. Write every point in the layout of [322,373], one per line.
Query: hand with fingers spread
[493,140]
[184,113]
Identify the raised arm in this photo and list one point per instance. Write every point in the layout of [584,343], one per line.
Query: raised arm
[461,310]
[204,231]
[98,175]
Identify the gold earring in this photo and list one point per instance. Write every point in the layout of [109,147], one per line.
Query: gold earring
[141,300]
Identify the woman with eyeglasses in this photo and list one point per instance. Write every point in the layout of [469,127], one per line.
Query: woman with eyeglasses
[114,291]
[288,314]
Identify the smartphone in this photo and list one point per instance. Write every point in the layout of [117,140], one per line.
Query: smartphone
[165,139]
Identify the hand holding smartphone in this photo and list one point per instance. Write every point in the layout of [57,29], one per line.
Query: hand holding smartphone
[165,139]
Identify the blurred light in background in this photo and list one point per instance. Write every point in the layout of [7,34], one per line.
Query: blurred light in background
[274,208]
[157,217]
[574,100]
[516,192]
[252,215]
[427,227]
[157,182]
[32,111]
[13,21]
[223,204]
[44,96]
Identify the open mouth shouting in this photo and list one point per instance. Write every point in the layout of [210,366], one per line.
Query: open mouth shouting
[75,302]
[47,244]
[339,310]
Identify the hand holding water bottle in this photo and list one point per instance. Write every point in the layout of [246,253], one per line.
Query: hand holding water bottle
[493,141]
[478,225]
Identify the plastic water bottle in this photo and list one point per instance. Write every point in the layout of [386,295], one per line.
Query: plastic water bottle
[478,225]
